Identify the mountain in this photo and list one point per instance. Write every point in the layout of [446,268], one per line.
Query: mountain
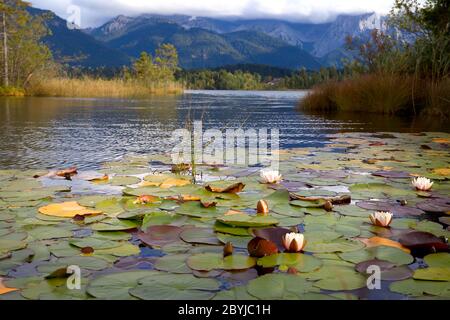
[204,42]
[76,47]
[201,48]
[346,25]
[324,41]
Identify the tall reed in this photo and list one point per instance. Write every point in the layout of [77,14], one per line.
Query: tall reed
[90,87]
[381,93]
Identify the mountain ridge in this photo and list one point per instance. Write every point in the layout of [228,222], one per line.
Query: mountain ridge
[204,42]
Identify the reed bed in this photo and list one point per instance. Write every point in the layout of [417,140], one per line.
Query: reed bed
[96,88]
[383,94]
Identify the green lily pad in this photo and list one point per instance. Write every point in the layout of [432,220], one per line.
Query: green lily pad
[124,181]
[175,287]
[338,245]
[124,250]
[224,228]
[308,204]
[235,293]
[90,263]
[236,241]
[394,255]
[433,274]
[245,220]
[418,288]
[299,261]
[279,287]
[115,286]
[94,243]
[175,263]
[212,261]
[441,259]
[114,225]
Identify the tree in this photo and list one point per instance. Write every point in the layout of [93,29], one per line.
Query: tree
[23,53]
[166,58]
[429,22]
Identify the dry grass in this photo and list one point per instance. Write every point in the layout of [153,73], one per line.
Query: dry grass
[96,88]
[383,94]
[438,99]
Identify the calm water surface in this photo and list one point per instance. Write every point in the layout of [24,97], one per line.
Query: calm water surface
[57,132]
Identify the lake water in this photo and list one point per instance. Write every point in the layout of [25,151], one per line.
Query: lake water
[60,132]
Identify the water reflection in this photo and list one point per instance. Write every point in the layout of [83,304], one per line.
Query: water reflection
[57,132]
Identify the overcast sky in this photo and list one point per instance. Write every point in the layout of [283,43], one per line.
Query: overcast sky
[96,12]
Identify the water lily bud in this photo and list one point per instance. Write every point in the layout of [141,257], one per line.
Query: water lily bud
[381,218]
[293,242]
[328,206]
[262,208]
[228,249]
[422,183]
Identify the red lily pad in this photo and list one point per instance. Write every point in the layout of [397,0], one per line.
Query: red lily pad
[259,247]
[392,174]
[274,235]
[200,236]
[405,211]
[434,206]
[375,205]
[157,236]
[423,242]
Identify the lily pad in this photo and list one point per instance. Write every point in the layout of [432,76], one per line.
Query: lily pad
[245,220]
[418,288]
[175,287]
[175,263]
[433,274]
[199,236]
[157,236]
[115,286]
[390,254]
[211,261]
[301,262]
[279,287]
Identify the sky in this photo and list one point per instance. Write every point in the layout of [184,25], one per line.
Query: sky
[96,12]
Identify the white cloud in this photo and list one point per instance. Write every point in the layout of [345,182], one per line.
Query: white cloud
[95,12]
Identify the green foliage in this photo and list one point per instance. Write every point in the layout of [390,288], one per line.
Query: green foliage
[24,56]
[407,74]
[160,69]
[236,79]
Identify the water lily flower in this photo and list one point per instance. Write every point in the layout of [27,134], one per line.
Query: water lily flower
[381,218]
[270,176]
[422,183]
[293,242]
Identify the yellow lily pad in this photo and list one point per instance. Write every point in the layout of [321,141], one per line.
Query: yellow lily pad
[67,210]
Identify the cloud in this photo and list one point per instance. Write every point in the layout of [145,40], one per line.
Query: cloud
[96,12]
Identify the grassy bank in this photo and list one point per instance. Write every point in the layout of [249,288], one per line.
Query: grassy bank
[93,88]
[11,92]
[384,94]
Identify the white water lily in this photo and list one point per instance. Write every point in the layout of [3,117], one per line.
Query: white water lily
[270,176]
[294,242]
[381,218]
[422,183]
